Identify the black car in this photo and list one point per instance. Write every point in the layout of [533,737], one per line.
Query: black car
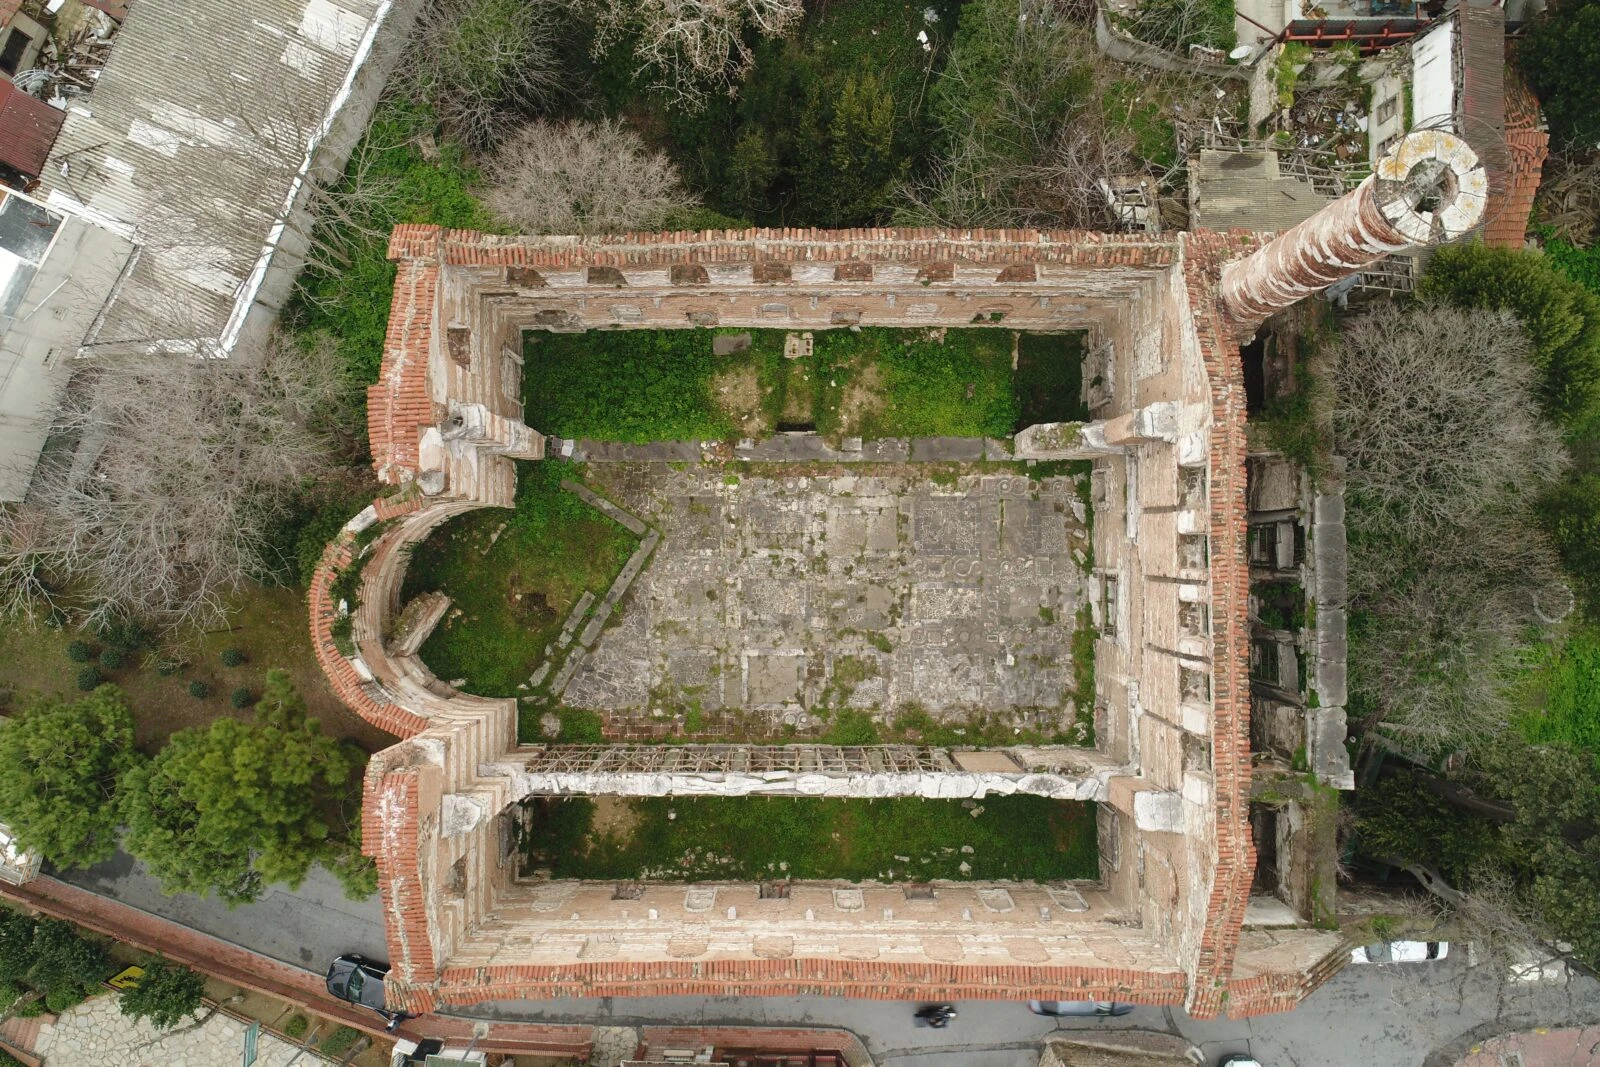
[359,981]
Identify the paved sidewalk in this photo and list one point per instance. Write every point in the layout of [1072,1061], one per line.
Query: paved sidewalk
[96,1032]
[1539,1048]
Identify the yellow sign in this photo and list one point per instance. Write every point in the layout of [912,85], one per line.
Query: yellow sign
[126,978]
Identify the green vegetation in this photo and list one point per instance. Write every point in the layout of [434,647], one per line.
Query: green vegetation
[1558,55]
[166,994]
[820,129]
[655,385]
[623,385]
[1561,316]
[1049,379]
[296,1027]
[339,1042]
[236,806]
[514,578]
[1556,298]
[685,839]
[349,299]
[50,959]
[1177,24]
[1563,705]
[63,762]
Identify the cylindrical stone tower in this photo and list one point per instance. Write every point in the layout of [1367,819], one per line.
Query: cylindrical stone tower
[1430,190]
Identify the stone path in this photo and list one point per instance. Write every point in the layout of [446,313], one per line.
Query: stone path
[95,1032]
[775,594]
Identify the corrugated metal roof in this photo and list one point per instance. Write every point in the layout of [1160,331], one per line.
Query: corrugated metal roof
[28,128]
[194,136]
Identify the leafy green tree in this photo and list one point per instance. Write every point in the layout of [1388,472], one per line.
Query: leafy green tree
[1561,316]
[238,805]
[1560,55]
[166,994]
[1528,815]
[50,956]
[750,170]
[865,166]
[62,765]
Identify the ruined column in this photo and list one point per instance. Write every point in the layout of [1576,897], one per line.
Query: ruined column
[1430,190]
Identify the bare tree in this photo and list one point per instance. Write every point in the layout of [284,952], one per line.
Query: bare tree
[1027,141]
[473,61]
[582,178]
[176,468]
[689,47]
[1435,414]
[1446,452]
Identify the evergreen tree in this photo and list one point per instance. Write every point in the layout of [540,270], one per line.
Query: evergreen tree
[240,804]
[62,765]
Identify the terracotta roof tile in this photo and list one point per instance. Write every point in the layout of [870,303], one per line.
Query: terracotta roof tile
[1527,145]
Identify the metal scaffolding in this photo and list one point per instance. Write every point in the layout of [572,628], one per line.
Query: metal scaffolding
[738,759]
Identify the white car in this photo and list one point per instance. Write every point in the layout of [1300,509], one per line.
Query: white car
[1400,952]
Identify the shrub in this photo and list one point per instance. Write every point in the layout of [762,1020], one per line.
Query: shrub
[10,993]
[582,177]
[296,1027]
[1562,317]
[166,994]
[111,659]
[233,657]
[471,61]
[240,698]
[339,1042]
[59,1000]
[80,652]
[1559,55]
[199,690]
[89,679]
[31,1010]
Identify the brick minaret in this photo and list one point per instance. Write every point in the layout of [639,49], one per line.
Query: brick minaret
[1430,190]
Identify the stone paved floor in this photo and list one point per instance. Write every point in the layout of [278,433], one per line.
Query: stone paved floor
[880,588]
[95,1032]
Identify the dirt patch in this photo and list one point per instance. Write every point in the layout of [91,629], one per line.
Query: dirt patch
[738,395]
[614,817]
[862,401]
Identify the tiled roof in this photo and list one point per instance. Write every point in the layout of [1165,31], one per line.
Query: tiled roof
[1526,148]
[8,8]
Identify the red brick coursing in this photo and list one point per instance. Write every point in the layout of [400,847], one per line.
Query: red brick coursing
[1002,248]
[324,612]
[1230,628]
[866,980]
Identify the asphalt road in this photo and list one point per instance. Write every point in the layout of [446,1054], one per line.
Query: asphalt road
[306,927]
[1391,1015]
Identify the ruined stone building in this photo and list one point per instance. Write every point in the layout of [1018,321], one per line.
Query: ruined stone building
[1171,920]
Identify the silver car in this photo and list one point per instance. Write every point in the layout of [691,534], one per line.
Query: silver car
[1079,1009]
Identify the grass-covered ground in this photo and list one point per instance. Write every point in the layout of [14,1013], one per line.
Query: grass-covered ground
[656,385]
[906,840]
[268,627]
[515,576]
